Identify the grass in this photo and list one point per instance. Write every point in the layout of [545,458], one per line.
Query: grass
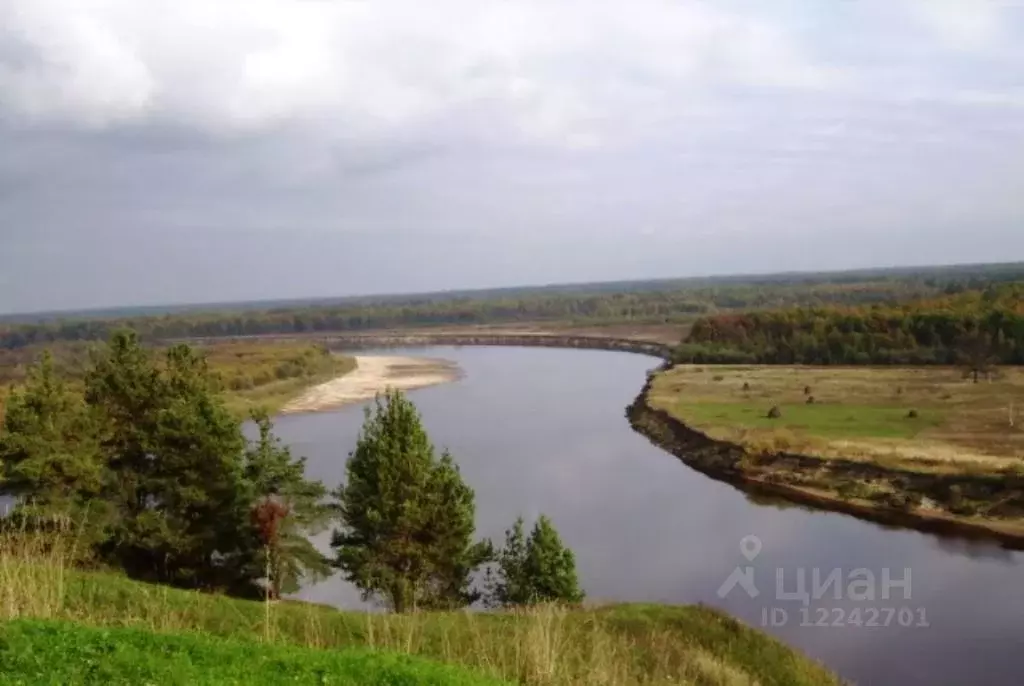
[819,420]
[858,412]
[63,653]
[612,646]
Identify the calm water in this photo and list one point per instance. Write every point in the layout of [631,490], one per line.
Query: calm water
[538,430]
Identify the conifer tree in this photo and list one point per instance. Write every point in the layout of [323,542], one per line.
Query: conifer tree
[407,517]
[537,569]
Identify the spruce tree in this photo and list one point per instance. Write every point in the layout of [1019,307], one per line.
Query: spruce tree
[539,569]
[407,516]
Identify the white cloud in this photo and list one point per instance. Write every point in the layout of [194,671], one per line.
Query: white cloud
[69,65]
[557,70]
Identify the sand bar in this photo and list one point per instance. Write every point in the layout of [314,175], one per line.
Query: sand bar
[373,374]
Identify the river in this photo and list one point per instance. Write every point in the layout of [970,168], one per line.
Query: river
[543,430]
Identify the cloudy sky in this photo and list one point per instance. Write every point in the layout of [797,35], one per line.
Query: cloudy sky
[161,151]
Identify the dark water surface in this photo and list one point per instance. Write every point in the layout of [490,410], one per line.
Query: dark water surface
[543,430]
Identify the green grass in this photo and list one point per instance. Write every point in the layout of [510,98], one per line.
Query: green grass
[821,420]
[623,645]
[61,653]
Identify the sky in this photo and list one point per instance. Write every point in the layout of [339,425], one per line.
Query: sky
[183,151]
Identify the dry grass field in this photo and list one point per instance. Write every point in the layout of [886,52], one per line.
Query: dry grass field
[930,417]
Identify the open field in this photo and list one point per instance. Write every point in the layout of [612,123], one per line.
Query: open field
[612,646]
[921,447]
[857,412]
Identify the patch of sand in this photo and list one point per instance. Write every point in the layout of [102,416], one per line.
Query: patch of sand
[372,375]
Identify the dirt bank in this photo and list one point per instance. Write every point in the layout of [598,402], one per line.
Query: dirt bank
[374,373]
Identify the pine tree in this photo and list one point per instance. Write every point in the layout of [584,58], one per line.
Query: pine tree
[539,569]
[50,459]
[175,454]
[407,516]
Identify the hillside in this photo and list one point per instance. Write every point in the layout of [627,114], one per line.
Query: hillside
[181,633]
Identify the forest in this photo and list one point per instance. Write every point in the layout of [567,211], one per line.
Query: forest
[669,301]
[977,328]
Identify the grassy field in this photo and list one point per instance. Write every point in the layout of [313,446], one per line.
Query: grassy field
[612,646]
[917,415]
[919,447]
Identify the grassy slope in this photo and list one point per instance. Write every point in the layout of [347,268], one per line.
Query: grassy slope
[62,653]
[615,646]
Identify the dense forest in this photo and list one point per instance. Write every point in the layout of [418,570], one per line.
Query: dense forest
[640,302]
[974,327]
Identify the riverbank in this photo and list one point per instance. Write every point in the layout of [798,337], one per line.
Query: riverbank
[371,375]
[971,497]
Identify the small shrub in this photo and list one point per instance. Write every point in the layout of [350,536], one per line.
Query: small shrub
[807,390]
[746,386]
[848,490]
[903,501]
[717,377]
[965,508]
[810,400]
[775,412]
[912,414]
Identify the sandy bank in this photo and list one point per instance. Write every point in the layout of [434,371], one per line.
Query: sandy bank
[374,373]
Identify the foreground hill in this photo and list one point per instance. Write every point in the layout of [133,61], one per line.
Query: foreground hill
[169,636]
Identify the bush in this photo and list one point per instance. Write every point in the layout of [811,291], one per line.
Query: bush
[775,412]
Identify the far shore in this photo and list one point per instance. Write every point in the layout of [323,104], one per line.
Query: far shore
[372,375]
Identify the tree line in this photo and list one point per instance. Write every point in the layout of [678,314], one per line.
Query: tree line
[647,302]
[160,481]
[974,327]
